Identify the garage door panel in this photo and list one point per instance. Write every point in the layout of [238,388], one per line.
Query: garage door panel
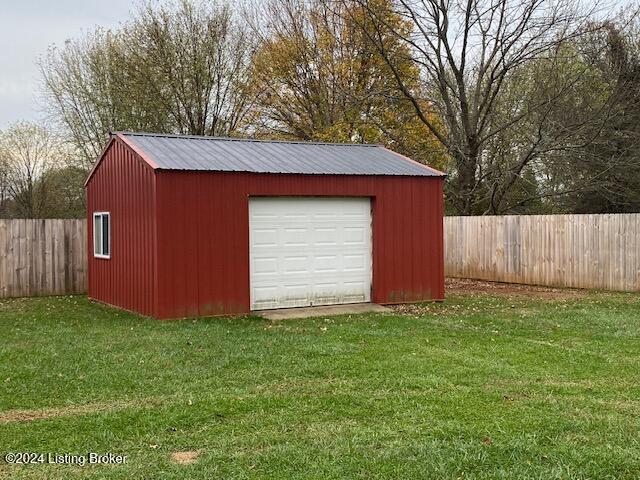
[354,263]
[295,236]
[353,215]
[264,292]
[327,288]
[355,235]
[260,214]
[265,265]
[264,237]
[324,236]
[293,219]
[325,264]
[324,217]
[353,291]
[309,251]
[296,292]
[295,264]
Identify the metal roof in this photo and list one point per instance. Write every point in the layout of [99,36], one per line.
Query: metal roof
[187,152]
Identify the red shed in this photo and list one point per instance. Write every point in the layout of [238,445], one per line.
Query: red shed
[185,226]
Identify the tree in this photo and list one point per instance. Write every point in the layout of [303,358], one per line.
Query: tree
[85,90]
[526,165]
[468,53]
[65,192]
[611,157]
[179,67]
[4,186]
[30,153]
[318,77]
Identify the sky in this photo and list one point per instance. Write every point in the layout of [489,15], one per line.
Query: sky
[27,29]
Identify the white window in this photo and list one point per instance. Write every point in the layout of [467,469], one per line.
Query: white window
[101,235]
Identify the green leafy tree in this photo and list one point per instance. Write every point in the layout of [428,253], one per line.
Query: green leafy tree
[29,153]
[609,163]
[177,67]
[65,192]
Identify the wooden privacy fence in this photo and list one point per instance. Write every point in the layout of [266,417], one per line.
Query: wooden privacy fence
[49,257]
[583,251]
[42,257]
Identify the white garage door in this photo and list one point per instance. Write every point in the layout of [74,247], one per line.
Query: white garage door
[309,251]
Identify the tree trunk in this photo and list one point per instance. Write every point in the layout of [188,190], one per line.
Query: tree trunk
[466,195]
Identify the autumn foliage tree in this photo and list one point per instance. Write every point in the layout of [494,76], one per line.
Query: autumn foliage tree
[528,105]
[317,77]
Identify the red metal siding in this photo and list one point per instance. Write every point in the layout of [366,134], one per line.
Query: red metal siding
[124,185]
[203,235]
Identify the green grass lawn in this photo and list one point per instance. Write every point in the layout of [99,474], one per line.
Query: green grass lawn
[480,386]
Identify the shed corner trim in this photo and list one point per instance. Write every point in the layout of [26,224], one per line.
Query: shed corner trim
[435,171]
[114,137]
[141,153]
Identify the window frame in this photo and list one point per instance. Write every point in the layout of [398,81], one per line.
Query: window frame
[101,215]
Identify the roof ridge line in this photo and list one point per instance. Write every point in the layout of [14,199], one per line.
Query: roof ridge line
[238,139]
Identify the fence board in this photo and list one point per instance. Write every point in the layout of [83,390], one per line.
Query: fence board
[582,251]
[42,257]
[49,257]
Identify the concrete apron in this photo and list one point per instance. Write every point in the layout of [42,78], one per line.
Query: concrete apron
[320,311]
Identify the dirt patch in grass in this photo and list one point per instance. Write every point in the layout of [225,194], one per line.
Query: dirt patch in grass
[11,416]
[185,458]
[462,286]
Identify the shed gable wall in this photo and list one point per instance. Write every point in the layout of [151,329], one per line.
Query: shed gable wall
[203,232]
[124,185]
